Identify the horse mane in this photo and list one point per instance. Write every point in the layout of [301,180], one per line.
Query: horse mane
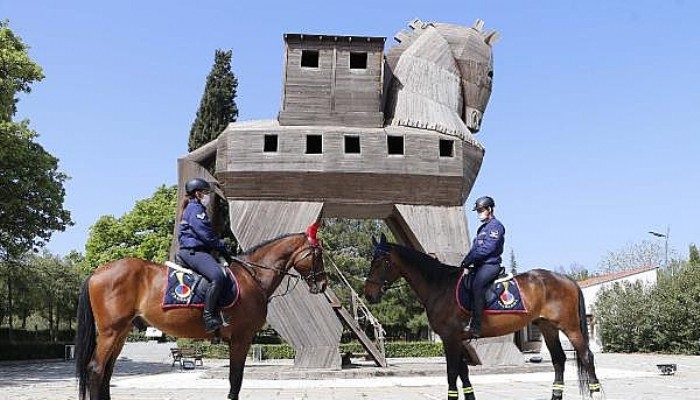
[266,242]
[431,268]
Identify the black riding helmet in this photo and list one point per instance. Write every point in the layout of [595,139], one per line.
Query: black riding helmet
[196,184]
[484,202]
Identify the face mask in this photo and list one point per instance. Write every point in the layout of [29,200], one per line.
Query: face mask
[483,216]
[205,200]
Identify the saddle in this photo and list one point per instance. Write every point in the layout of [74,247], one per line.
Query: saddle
[186,288]
[503,296]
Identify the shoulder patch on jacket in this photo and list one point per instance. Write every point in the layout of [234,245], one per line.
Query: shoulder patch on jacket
[201,215]
[494,234]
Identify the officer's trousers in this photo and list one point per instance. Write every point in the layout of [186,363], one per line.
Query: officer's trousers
[483,276]
[205,264]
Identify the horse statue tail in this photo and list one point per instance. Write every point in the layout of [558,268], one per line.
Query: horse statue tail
[583,376]
[85,339]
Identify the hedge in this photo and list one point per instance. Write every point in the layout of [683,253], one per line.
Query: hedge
[285,351]
[31,351]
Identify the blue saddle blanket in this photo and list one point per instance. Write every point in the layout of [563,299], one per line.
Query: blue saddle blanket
[185,288]
[501,297]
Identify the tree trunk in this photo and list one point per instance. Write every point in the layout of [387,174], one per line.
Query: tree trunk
[9,303]
[51,331]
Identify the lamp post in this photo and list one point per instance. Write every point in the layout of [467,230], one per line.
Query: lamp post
[665,236]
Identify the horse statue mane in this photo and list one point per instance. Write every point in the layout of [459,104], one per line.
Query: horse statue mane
[439,78]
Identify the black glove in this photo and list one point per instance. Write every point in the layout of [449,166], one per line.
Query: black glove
[465,265]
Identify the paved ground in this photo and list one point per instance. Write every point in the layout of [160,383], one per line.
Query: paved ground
[144,372]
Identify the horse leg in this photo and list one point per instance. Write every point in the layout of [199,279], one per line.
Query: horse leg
[108,346]
[238,351]
[585,364]
[467,388]
[551,338]
[109,366]
[453,354]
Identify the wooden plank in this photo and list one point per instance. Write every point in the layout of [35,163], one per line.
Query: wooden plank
[304,320]
[357,188]
[441,231]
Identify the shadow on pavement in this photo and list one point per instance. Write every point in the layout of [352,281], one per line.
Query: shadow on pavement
[18,373]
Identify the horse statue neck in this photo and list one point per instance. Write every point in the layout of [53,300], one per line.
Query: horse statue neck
[426,275]
[275,256]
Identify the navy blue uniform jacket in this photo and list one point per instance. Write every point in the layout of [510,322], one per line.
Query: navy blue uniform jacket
[196,231]
[488,244]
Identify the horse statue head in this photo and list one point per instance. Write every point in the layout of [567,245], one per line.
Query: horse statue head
[439,77]
[382,271]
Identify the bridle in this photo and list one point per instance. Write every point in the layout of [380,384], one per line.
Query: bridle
[315,251]
[383,283]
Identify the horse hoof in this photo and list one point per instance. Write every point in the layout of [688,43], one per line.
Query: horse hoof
[597,396]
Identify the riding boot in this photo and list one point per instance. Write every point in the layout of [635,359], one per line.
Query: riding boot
[212,320]
[475,322]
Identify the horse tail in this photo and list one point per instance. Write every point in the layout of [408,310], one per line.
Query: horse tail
[85,339]
[583,376]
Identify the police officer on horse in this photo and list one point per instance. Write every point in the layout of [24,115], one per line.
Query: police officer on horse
[197,239]
[484,259]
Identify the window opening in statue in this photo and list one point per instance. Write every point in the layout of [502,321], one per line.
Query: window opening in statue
[270,144]
[447,148]
[358,60]
[314,144]
[352,145]
[309,58]
[394,145]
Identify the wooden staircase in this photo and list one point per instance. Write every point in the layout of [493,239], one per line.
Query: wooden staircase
[375,351]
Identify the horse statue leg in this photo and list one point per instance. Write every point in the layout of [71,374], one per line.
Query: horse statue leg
[551,339]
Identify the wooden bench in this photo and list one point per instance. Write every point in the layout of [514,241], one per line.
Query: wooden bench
[667,369]
[346,357]
[187,357]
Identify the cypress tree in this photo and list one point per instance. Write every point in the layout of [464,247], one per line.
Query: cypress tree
[694,258]
[218,105]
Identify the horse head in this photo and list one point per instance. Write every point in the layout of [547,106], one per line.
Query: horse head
[382,271]
[307,259]
[440,77]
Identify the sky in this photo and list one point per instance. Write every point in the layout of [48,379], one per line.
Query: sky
[591,132]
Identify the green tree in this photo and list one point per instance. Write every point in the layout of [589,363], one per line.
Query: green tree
[54,289]
[349,244]
[17,71]
[32,187]
[513,263]
[633,317]
[145,231]
[633,256]
[32,192]
[575,271]
[218,105]
[694,255]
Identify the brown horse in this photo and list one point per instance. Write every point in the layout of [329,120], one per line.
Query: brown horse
[119,292]
[554,303]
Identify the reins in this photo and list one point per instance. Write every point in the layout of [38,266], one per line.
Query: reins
[388,264]
[251,266]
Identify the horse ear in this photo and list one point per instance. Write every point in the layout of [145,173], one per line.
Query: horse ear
[382,239]
[374,241]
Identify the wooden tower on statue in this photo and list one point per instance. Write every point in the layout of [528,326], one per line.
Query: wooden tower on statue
[360,134]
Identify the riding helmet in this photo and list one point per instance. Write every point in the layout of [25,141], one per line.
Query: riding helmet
[484,202]
[196,184]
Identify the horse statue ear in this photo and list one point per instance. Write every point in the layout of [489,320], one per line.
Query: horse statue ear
[374,242]
[382,239]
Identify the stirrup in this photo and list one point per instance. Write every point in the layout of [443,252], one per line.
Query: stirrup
[473,333]
[212,323]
